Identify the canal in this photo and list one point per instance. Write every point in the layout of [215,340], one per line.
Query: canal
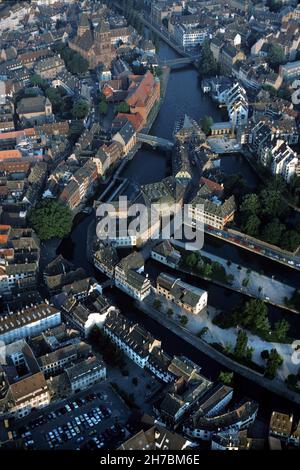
[184,95]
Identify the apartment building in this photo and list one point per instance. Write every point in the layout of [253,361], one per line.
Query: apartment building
[190,298]
[28,322]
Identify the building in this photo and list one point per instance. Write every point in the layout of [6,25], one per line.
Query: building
[190,298]
[131,338]
[290,71]
[207,208]
[105,259]
[94,44]
[35,110]
[205,427]
[126,137]
[129,277]
[189,35]
[281,426]
[55,362]
[281,159]
[155,438]
[28,322]
[50,67]
[143,94]
[166,254]
[86,373]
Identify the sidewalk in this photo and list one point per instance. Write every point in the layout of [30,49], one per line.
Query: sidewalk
[255,284]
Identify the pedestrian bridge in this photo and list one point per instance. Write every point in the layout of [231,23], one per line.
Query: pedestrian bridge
[179,61]
[155,141]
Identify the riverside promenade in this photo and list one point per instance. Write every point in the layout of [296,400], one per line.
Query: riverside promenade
[275,386]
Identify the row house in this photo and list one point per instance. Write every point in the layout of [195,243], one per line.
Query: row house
[85,374]
[49,68]
[204,427]
[79,185]
[190,298]
[55,362]
[105,259]
[108,155]
[281,159]
[131,338]
[143,94]
[28,322]
[129,277]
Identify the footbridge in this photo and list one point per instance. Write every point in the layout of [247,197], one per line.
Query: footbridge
[155,141]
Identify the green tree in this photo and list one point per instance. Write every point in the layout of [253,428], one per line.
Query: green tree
[273,231]
[191,260]
[273,205]
[274,361]
[276,55]
[103,107]
[37,80]
[55,95]
[290,240]
[123,107]
[50,219]
[208,65]
[241,344]
[251,225]
[226,378]
[281,329]
[80,109]
[184,320]
[251,204]
[206,123]
[255,316]
[157,304]
[170,312]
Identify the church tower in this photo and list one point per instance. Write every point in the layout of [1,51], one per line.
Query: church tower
[84,25]
[102,37]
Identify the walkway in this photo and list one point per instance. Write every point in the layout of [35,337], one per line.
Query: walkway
[275,386]
[255,284]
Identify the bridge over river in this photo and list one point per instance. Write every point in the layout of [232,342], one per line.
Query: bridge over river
[155,141]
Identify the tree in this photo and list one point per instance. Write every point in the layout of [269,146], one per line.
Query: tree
[157,304]
[273,231]
[208,65]
[50,219]
[37,80]
[80,109]
[276,55]
[170,312]
[255,316]
[226,378]
[281,329]
[191,260]
[103,107]
[55,95]
[274,361]
[264,354]
[123,107]
[273,205]
[184,320]
[251,225]
[135,381]
[274,5]
[241,344]
[251,204]
[290,240]
[206,123]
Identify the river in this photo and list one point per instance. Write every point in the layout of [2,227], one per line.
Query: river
[184,95]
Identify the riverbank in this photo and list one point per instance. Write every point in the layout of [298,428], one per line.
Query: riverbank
[245,281]
[275,386]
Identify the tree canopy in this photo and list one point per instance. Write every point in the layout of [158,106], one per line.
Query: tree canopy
[206,123]
[208,65]
[50,219]
[80,109]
